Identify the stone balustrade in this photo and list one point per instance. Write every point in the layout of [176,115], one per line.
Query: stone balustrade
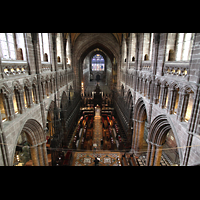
[176,68]
[13,68]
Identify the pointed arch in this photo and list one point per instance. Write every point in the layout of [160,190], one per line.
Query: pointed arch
[139,118]
[159,128]
[37,139]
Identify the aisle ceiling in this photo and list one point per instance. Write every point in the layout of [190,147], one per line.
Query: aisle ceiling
[118,37]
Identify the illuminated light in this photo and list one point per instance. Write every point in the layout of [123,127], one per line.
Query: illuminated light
[4,120]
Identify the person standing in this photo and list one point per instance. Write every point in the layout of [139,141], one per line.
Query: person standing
[96,161]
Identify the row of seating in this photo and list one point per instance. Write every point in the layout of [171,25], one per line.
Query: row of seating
[129,160]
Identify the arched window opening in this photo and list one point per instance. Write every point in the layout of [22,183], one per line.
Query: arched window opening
[166,97]
[98,63]
[124,50]
[189,107]
[147,46]
[44,47]
[21,50]
[133,46]
[16,101]
[176,101]
[7,46]
[2,107]
[25,97]
[34,95]
[68,51]
[58,44]
[47,88]
[171,55]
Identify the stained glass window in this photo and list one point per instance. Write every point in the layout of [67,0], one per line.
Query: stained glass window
[98,63]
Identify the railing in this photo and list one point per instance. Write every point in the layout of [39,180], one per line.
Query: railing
[46,66]
[132,65]
[146,65]
[13,68]
[60,66]
[176,68]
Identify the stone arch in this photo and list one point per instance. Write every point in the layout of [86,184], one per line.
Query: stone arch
[27,82]
[159,128]
[5,89]
[18,93]
[63,107]
[37,140]
[139,118]
[64,100]
[50,119]
[7,101]
[129,104]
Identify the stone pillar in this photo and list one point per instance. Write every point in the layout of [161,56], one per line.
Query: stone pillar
[156,94]
[143,87]
[158,155]
[136,124]
[171,101]
[161,95]
[10,107]
[139,144]
[21,102]
[148,153]
[153,148]
[30,103]
[40,154]
[181,108]
[148,89]
[44,148]
[34,155]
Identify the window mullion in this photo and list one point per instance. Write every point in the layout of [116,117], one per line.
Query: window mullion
[7,45]
[183,46]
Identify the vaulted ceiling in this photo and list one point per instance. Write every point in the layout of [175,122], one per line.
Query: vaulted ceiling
[118,37]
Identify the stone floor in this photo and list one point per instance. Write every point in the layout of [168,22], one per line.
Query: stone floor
[97,134]
[107,158]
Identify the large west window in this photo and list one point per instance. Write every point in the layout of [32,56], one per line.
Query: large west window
[98,63]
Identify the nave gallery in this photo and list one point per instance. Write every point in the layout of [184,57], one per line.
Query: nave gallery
[99,99]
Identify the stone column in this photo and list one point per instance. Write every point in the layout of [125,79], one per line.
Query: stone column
[153,148]
[21,102]
[158,155]
[148,89]
[40,153]
[136,124]
[141,125]
[148,152]
[10,107]
[44,148]
[161,95]
[30,103]
[143,87]
[156,94]
[181,102]
[34,155]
